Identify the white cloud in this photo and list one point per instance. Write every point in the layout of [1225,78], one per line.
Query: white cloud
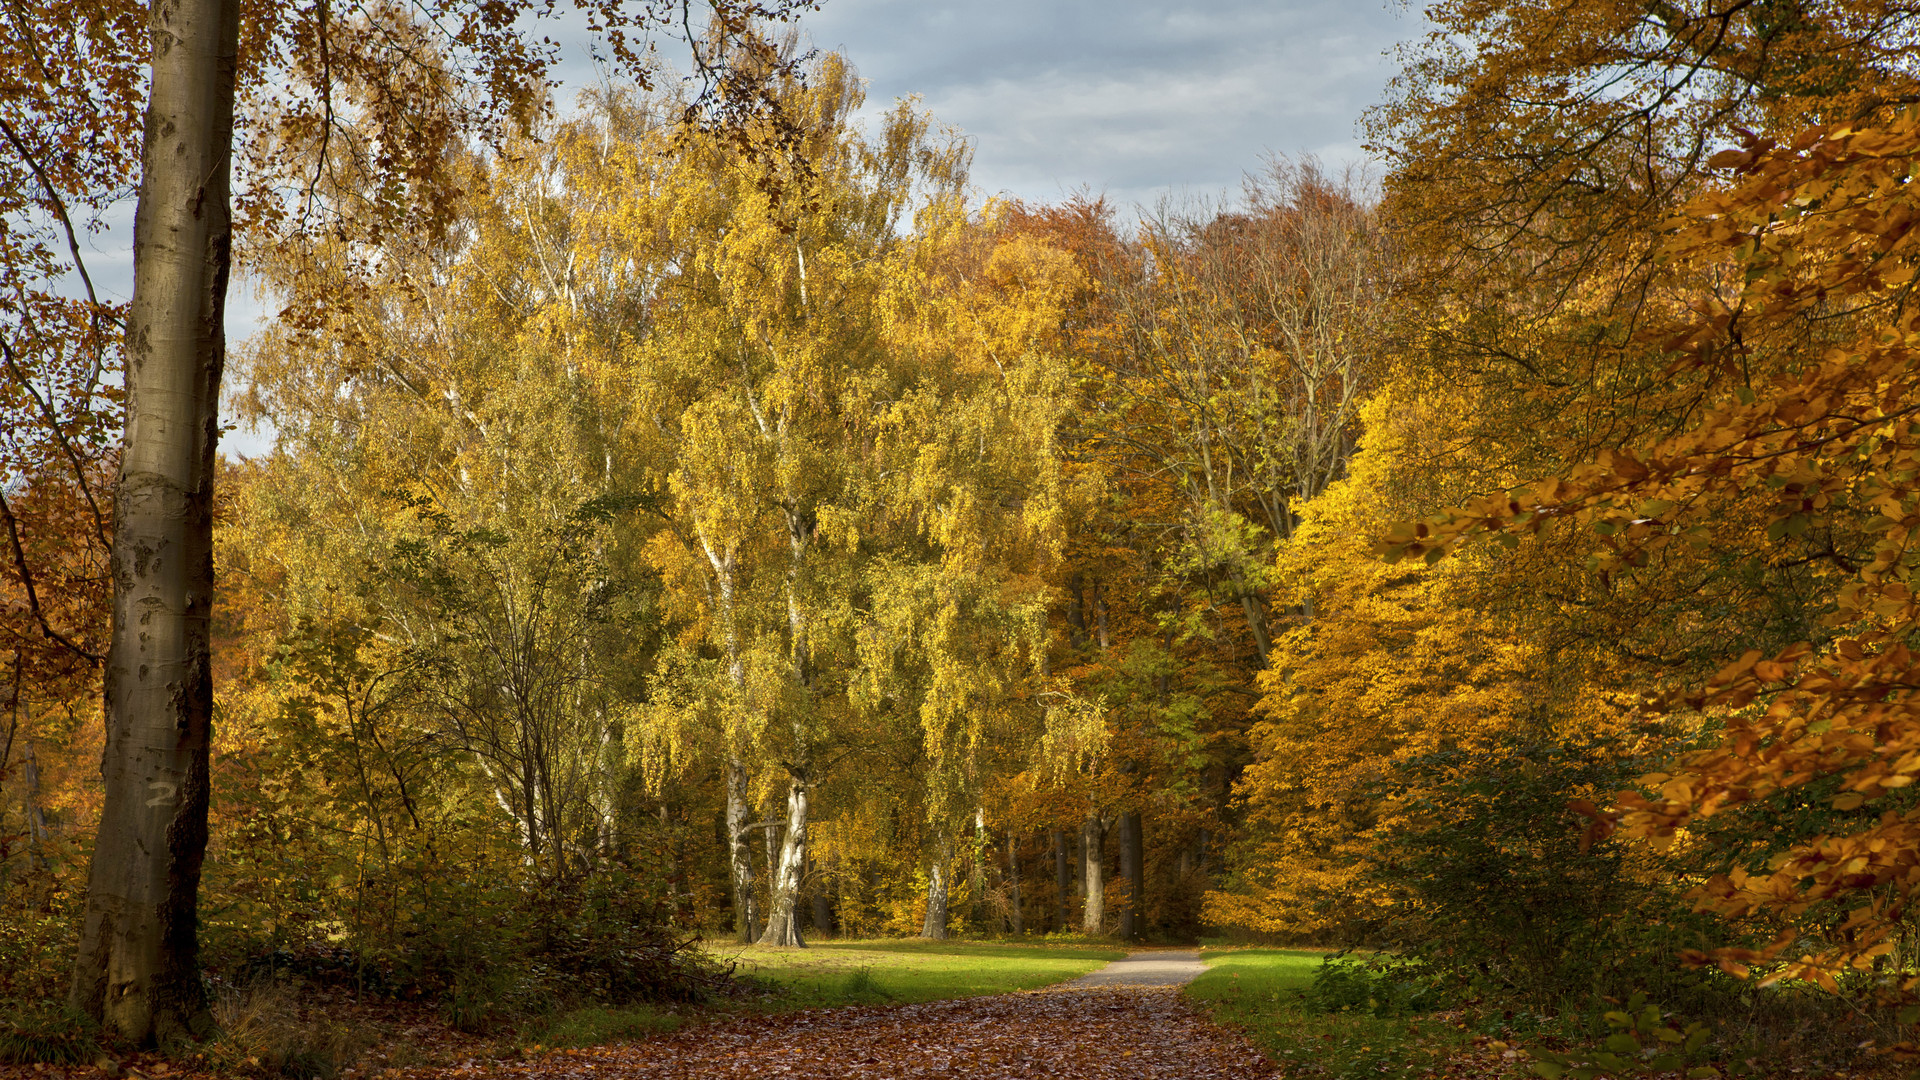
[1129,98]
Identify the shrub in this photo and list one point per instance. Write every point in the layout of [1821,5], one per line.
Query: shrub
[1500,894]
[1379,985]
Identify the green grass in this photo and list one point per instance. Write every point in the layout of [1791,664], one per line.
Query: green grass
[872,972]
[831,973]
[596,1025]
[1261,991]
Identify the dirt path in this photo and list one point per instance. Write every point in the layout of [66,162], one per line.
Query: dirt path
[1160,967]
[1100,1031]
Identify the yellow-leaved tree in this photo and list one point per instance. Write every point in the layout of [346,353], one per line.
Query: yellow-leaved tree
[847,442]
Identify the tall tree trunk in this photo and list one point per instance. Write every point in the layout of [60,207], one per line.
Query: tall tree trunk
[977,901]
[783,918]
[822,902]
[746,904]
[1016,918]
[935,926]
[786,873]
[1093,870]
[138,967]
[770,838]
[1063,884]
[1133,922]
[36,816]
[1256,621]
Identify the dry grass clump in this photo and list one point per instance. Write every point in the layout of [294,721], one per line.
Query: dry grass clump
[264,1030]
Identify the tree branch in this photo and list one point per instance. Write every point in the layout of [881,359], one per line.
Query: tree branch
[33,596]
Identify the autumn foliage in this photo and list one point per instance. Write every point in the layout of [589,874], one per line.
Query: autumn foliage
[747,530]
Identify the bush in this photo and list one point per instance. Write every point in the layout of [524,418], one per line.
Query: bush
[1500,895]
[36,952]
[1379,985]
[607,939]
[489,949]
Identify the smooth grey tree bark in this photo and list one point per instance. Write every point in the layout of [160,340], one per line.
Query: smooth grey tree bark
[977,883]
[138,965]
[1132,919]
[1093,870]
[822,899]
[1016,918]
[1063,883]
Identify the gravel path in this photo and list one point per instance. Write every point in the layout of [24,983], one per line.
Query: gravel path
[1161,967]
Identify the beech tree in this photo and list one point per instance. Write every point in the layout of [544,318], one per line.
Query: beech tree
[305,71]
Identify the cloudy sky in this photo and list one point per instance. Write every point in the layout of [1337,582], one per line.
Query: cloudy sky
[1127,97]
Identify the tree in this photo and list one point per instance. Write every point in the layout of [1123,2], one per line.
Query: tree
[137,964]
[1797,383]
[138,967]
[746,401]
[1241,345]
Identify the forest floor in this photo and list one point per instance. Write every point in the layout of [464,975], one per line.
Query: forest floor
[1133,1032]
[1261,994]
[843,1010]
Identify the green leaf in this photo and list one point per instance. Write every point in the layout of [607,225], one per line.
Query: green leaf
[1668,1035]
[1623,1043]
[1909,1015]
[1666,1063]
[1696,1038]
[1549,1069]
[1704,1072]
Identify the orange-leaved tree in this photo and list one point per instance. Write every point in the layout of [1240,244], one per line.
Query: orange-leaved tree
[1798,375]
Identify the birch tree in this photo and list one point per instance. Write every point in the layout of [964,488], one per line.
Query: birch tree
[305,71]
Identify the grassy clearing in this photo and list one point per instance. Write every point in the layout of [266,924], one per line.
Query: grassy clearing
[1262,992]
[876,972]
[831,973]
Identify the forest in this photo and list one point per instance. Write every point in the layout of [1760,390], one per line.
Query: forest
[698,519]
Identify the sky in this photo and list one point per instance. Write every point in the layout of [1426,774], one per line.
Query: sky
[1127,98]
[1123,98]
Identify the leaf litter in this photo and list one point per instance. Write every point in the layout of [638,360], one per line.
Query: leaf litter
[1092,1033]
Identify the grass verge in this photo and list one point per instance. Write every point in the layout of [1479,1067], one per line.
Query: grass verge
[597,1025]
[1263,993]
[875,972]
[833,973]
